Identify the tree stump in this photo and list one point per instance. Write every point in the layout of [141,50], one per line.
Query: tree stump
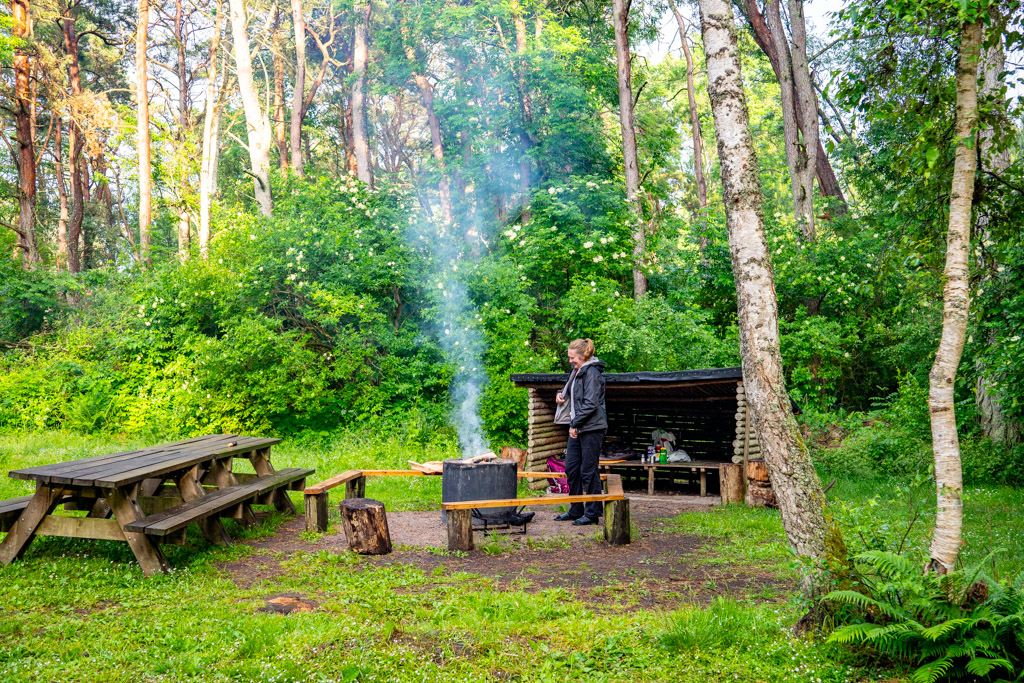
[732,484]
[761,496]
[616,522]
[366,526]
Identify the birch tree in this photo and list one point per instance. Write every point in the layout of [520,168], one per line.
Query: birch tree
[257,123]
[142,140]
[949,485]
[620,15]
[801,501]
[360,137]
[211,134]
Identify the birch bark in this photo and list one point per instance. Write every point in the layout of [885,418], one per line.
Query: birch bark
[810,532]
[299,90]
[360,138]
[142,140]
[260,134]
[211,135]
[946,540]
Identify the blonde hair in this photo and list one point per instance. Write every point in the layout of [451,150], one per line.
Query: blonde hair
[582,347]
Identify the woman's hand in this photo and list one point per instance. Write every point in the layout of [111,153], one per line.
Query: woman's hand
[573,433]
[558,398]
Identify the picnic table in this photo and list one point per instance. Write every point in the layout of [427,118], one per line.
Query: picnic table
[150,496]
[669,470]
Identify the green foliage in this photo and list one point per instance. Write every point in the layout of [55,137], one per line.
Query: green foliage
[944,624]
[724,624]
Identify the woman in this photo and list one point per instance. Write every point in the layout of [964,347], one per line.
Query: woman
[588,422]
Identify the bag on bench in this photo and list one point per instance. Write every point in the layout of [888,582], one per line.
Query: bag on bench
[559,484]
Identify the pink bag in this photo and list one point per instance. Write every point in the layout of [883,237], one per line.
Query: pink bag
[560,484]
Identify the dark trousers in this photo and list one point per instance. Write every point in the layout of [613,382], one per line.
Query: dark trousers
[581,456]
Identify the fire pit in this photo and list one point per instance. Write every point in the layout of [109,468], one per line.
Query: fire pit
[486,480]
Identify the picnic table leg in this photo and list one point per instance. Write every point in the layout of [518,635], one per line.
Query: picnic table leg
[223,477]
[100,509]
[23,531]
[212,528]
[127,510]
[703,482]
[650,481]
[260,459]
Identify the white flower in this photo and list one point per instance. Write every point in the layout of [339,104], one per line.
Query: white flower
[598,258]
[593,284]
[609,310]
[571,252]
[604,240]
[588,245]
[611,238]
[551,190]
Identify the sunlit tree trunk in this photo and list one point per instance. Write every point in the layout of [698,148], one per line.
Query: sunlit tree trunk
[801,501]
[142,102]
[62,194]
[946,541]
[211,135]
[260,135]
[23,123]
[184,220]
[806,102]
[434,125]
[280,127]
[70,35]
[299,23]
[620,15]
[360,136]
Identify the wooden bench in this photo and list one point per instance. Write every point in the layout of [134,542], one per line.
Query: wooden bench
[258,490]
[616,513]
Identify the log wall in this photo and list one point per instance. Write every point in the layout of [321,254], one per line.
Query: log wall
[544,439]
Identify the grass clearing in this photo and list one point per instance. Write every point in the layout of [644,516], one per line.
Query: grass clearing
[82,611]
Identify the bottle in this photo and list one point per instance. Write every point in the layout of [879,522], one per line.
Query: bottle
[664,456]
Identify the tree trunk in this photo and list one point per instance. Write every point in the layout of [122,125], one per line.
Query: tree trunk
[280,136]
[801,500]
[946,541]
[142,102]
[260,135]
[620,11]
[211,135]
[22,18]
[526,112]
[995,160]
[698,145]
[436,148]
[184,221]
[806,107]
[62,193]
[299,22]
[70,34]
[360,138]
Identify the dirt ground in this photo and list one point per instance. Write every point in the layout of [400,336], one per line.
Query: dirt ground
[661,568]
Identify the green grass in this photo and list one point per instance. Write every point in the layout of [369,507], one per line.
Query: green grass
[81,610]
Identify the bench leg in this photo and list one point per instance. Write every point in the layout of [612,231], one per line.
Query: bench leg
[149,555]
[212,528]
[460,530]
[316,512]
[23,531]
[220,472]
[703,483]
[355,488]
[650,481]
[616,522]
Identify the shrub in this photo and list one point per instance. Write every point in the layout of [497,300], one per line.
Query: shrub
[945,625]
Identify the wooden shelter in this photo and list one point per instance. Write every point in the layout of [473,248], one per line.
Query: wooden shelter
[705,409]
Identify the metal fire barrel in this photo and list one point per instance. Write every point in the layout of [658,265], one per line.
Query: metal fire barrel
[486,480]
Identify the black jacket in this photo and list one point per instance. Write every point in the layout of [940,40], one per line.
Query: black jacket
[588,399]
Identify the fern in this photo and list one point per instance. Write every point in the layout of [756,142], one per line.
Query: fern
[908,615]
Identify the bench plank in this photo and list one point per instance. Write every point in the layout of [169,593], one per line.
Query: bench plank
[538,500]
[327,484]
[182,515]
